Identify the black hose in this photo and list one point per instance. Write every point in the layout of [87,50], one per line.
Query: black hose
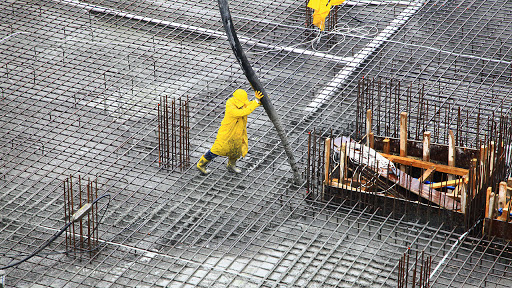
[49,241]
[256,85]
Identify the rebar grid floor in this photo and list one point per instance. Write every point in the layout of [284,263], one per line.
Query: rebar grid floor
[80,82]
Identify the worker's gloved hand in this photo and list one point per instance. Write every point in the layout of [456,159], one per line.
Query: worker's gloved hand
[258,96]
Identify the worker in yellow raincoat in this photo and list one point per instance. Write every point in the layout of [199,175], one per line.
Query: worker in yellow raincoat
[232,139]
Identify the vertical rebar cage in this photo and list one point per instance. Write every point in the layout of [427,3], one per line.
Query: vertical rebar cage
[173,133]
[82,236]
[414,269]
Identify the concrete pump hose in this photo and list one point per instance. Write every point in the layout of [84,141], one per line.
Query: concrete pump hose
[256,85]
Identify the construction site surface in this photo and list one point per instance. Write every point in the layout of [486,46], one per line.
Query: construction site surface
[106,106]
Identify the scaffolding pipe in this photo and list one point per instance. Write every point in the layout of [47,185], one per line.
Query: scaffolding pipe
[256,84]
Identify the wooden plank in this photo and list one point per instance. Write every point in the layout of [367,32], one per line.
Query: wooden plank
[403,134]
[451,152]
[472,189]
[460,192]
[335,183]
[427,173]
[483,155]
[492,205]
[403,137]
[425,165]
[448,183]
[463,198]
[327,159]
[415,186]
[502,200]
[343,160]
[492,146]
[368,126]
[426,146]
[487,201]
[457,191]
[453,195]
[386,146]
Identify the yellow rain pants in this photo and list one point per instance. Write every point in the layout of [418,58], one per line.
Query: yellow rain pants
[232,135]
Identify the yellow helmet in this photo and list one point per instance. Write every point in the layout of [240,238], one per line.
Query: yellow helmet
[241,96]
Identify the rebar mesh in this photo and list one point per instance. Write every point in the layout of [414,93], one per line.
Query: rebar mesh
[79,85]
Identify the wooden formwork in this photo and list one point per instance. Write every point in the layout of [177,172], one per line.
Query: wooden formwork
[445,176]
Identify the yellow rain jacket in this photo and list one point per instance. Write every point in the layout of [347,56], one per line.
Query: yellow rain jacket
[232,135]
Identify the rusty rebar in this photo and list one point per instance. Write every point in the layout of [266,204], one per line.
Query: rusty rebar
[159,119]
[170,149]
[308,169]
[89,200]
[173,133]
[72,209]
[66,218]
[89,224]
[80,205]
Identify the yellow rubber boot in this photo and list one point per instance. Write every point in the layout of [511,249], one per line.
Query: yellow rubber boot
[232,166]
[201,166]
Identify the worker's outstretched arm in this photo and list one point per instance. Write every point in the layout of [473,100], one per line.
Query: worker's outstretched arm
[240,112]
